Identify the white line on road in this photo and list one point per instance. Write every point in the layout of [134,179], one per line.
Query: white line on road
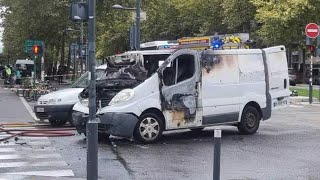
[29,109]
[2,150]
[29,156]
[34,164]
[55,173]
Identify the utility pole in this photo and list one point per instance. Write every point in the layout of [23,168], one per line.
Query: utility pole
[81,42]
[138,9]
[92,125]
[310,80]
[81,45]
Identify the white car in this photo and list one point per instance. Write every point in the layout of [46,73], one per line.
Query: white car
[57,106]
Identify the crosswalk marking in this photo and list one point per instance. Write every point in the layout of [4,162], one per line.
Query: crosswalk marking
[55,173]
[26,163]
[31,158]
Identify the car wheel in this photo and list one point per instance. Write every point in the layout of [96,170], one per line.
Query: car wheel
[149,128]
[250,121]
[57,123]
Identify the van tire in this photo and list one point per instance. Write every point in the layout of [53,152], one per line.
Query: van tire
[250,121]
[57,123]
[149,124]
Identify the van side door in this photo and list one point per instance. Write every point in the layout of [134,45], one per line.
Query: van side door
[179,90]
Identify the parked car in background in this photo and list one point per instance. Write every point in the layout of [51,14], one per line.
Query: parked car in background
[57,106]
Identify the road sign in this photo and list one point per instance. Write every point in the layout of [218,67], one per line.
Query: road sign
[312,30]
[28,44]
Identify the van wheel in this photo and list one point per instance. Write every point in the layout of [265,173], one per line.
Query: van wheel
[250,121]
[57,123]
[149,128]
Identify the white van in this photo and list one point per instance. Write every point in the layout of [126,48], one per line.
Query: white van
[195,89]
[57,106]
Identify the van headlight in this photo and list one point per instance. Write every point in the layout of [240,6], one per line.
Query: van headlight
[84,102]
[122,96]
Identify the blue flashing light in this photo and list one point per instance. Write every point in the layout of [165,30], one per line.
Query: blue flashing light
[166,46]
[217,44]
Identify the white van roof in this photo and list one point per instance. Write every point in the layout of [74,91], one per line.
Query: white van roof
[235,51]
[24,61]
[149,52]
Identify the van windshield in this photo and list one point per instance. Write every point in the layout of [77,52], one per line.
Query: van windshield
[82,82]
[134,66]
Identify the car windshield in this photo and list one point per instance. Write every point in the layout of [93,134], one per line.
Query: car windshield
[82,82]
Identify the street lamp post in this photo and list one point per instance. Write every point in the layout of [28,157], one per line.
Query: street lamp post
[138,6]
[137,23]
[92,125]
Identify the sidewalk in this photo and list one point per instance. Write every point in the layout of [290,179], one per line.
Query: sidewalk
[302,99]
[12,109]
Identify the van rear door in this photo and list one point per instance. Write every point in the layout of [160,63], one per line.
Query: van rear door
[278,78]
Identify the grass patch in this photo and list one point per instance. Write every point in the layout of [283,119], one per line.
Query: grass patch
[305,92]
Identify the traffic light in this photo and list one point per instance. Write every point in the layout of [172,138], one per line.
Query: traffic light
[312,49]
[36,49]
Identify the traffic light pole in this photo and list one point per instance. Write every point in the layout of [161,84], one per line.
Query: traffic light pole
[34,75]
[310,81]
[92,125]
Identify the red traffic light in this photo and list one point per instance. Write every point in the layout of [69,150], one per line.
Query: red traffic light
[312,49]
[36,49]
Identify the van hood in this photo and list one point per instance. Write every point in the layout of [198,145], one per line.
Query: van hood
[66,95]
[116,80]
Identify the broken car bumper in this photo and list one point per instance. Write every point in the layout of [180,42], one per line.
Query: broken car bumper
[117,124]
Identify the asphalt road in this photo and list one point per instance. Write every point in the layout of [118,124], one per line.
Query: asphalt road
[285,147]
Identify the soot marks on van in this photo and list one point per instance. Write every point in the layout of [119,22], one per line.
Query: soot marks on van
[208,61]
[186,104]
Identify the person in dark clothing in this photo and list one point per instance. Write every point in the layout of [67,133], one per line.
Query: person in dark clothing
[59,73]
[54,72]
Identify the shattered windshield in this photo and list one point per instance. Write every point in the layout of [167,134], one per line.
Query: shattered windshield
[82,82]
[122,60]
[134,66]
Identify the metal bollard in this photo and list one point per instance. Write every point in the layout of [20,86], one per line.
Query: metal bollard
[217,154]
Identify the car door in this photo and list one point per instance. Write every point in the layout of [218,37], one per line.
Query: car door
[179,90]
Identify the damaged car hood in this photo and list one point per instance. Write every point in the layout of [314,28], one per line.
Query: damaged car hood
[116,79]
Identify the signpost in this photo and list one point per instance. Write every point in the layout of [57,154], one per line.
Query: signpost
[312,31]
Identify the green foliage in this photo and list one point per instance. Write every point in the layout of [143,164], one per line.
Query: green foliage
[270,22]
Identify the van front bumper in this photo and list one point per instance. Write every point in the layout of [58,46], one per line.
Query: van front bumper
[56,112]
[117,124]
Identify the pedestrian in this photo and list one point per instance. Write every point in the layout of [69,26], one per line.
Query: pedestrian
[59,73]
[18,76]
[8,74]
[54,72]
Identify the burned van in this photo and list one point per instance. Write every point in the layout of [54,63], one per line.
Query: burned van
[190,90]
